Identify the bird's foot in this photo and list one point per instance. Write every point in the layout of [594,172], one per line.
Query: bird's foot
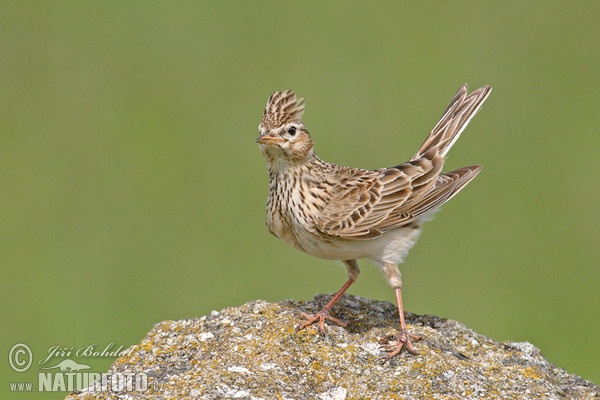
[394,343]
[320,317]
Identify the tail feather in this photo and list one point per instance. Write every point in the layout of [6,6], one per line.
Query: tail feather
[460,111]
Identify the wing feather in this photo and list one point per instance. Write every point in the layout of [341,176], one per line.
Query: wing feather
[369,210]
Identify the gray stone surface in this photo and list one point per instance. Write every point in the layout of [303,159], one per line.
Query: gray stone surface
[253,352]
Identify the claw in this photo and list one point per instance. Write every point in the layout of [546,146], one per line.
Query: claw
[320,317]
[394,344]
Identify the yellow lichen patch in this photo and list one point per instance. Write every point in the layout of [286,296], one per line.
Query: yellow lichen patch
[531,373]
[147,346]
[390,396]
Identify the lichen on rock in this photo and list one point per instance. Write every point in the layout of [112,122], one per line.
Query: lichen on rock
[254,352]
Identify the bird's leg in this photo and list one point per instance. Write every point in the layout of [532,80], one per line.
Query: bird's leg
[321,316]
[395,343]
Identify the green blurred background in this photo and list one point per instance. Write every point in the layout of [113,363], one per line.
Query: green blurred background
[132,190]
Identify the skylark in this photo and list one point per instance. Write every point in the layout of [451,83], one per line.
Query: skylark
[343,213]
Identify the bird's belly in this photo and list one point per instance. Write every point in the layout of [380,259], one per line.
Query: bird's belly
[391,247]
[332,248]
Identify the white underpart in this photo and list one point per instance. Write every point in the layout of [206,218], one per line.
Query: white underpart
[390,248]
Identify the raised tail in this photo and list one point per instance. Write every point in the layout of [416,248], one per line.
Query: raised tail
[455,119]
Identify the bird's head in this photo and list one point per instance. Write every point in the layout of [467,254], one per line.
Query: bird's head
[283,138]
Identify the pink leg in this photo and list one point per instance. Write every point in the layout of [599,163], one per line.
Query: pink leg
[396,343]
[323,315]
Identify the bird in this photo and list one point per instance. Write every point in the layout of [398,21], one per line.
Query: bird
[342,213]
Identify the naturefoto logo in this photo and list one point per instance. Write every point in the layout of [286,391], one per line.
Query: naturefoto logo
[67,374]
[67,365]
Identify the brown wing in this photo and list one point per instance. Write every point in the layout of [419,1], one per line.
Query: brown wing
[361,202]
[446,186]
[369,203]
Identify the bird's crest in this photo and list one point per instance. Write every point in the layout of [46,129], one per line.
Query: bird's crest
[282,108]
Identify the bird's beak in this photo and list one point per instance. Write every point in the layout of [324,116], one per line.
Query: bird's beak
[269,139]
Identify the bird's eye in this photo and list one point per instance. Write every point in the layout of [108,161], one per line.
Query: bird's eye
[292,130]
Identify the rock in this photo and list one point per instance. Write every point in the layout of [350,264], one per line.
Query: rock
[253,352]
